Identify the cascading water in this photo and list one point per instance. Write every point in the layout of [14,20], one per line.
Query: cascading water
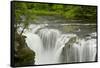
[51,46]
[49,38]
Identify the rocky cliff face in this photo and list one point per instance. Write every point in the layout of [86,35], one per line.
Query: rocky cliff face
[23,54]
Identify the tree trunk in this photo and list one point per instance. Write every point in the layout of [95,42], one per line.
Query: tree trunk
[22,30]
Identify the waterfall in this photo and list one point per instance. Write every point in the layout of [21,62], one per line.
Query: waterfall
[79,50]
[49,38]
[88,52]
[52,46]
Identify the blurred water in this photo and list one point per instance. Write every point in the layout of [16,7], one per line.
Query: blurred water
[52,44]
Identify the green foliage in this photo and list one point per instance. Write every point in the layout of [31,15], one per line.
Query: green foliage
[72,12]
[40,6]
[26,12]
[23,15]
[89,12]
[68,11]
[57,7]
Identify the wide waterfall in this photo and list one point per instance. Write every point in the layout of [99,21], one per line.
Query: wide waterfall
[53,46]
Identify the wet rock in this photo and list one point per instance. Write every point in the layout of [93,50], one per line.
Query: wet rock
[23,54]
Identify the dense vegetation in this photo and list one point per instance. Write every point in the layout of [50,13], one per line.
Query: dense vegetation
[26,13]
[68,11]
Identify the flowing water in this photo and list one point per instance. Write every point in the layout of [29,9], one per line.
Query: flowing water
[62,43]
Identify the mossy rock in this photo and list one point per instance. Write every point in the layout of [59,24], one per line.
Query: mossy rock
[23,54]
